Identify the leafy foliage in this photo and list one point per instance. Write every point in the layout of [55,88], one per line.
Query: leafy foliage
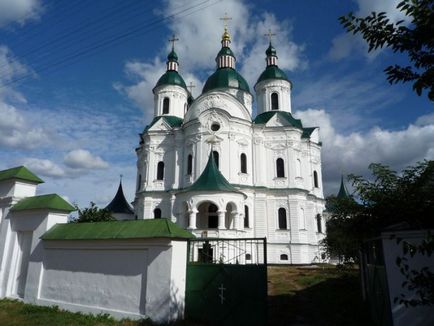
[93,214]
[416,40]
[388,199]
[419,281]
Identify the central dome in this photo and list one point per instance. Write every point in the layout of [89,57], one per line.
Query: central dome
[226,78]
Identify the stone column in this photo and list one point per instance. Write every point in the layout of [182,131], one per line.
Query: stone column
[235,225]
[192,219]
[240,219]
[221,217]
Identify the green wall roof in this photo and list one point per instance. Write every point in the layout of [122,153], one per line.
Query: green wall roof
[19,172]
[263,118]
[226,78]
[137,229]
[50,202]
[171,120]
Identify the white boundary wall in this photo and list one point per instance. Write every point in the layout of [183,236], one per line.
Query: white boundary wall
[132,278]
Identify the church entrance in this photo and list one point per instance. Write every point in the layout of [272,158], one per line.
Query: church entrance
[227,281]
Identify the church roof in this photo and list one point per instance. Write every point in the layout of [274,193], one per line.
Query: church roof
[212,179]
[307,132]
[50,202]
[272,72]
[226,78]
[136,229]
[171,77]
[171,120]
[21,173]
[343,192]
[266,116]
[119,204]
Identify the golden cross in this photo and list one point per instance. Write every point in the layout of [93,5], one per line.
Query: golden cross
[173,40]
[225,19]
[191,86]
[270,35]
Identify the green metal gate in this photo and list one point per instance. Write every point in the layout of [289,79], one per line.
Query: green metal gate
[227,281]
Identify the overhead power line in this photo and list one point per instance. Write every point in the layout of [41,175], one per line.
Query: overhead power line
[94,48]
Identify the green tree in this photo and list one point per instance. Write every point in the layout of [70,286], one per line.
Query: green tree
[387,199]
[416,40]
[93,214]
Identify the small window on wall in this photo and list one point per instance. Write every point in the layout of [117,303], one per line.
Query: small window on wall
[157,213]
[243,161]
[280,168]
[274,101]
[166,102]
[246,216]
[139,182]
[189,164]
[160,171]
[318,223]
[248,257]
[215,154]
[282,219]
[284,257]
[315,179]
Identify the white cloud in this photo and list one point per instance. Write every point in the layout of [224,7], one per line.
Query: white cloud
[19,11]
[200,34]
[347,44]
[83,159]
[353,153]
[43,167]
[16,132]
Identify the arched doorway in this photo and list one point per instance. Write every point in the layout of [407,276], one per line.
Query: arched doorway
[207,216]
[231,215]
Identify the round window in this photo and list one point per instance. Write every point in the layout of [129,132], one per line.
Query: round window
[215,126]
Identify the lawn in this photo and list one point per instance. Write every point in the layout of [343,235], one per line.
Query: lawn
[315,296]
[296,296]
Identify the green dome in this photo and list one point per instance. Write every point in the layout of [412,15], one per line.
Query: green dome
[270,51]
[226,78]
[272,72]
[171,77]
[225,51]
[172,56]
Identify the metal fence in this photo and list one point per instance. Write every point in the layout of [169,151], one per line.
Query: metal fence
[244,251]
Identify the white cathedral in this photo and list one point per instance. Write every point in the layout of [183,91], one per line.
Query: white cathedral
[216,170]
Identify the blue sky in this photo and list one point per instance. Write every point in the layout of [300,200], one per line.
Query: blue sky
[76,81]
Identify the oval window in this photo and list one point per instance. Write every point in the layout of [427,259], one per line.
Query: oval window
[215,126]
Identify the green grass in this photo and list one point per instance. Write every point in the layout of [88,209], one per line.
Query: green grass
[315,296]
[296,296]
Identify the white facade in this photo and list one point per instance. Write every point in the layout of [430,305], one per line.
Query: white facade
[251,149]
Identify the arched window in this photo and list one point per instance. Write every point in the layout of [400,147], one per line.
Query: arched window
[318,223]
[298,168]
[248,256]
[280,168]
[246,216]
[315,179]
[282,219]
[215,154]
[160,171]
[189,164]
[139,182]
[212,216]
[274,101]
[243,161]
[284,257]
[157,213]
[166,102]
[302,219]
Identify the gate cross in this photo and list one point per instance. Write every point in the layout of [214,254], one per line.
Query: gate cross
[221,288]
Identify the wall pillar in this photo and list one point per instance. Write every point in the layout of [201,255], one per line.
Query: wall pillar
[221,217]
[192,219]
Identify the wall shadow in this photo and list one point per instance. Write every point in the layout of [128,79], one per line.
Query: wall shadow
[331,302]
